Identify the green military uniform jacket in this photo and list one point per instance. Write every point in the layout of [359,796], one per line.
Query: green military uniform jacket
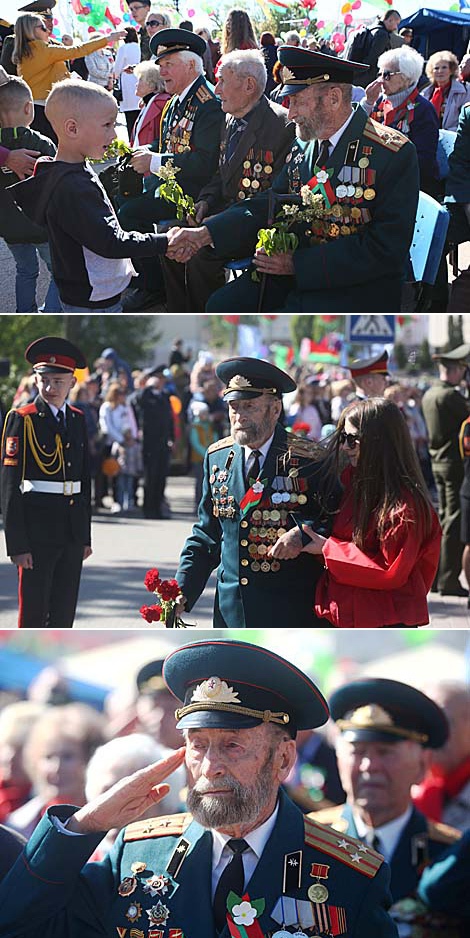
[421,842]
[458,180]
[359,268]
[444,885]
[252,588]
[156,883]
[444,411]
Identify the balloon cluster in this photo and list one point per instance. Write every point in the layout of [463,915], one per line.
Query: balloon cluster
[346,11]
[96,14]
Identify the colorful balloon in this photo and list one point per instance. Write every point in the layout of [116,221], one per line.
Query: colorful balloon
[348,19]
[346,8]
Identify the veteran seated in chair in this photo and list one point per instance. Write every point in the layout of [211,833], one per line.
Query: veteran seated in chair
[355,254]
[256,138]
[245,862]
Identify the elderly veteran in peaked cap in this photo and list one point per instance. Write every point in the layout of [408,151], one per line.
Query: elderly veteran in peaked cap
[444,410]
[45,489]
[370,375]
[366,176]
[245,862]
[386,731]
[260,484]
[190,130]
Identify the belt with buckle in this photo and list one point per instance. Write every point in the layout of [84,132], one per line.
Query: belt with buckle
[67,487]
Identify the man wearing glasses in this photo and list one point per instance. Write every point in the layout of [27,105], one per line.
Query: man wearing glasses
[140,9]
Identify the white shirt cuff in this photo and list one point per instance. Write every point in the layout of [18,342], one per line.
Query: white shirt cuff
[62,827]
[155,162]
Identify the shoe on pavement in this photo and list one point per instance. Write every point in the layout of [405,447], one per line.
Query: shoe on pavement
[140,299]
[455,591]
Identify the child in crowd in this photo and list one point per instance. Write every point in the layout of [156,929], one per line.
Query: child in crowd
[24,239]
[201,435]
[90,251]
[129,457]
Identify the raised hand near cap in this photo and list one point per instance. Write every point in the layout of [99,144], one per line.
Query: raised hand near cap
[128,799]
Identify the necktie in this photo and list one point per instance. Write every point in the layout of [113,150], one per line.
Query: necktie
[232,879]
[254,470]
[61,421]
[236,129]
[323,153]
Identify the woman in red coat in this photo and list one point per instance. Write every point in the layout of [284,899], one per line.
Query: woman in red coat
[151,90]
[383,552]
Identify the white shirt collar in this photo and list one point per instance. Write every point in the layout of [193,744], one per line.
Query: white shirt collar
[55,410]
[335,138]
[256,839]
[389,833]
[261,449]
[186,90]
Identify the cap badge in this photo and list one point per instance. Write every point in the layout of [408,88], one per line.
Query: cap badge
[238,382]
[52,359]
[371,715]
[287,75]
[215,690]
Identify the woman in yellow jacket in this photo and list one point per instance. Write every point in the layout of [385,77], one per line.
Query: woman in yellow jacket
[41,63]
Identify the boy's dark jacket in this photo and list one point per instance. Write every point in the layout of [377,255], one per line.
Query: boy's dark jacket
[14,227]
[69,200]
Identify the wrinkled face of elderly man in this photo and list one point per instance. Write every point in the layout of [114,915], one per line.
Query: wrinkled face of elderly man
[236,91]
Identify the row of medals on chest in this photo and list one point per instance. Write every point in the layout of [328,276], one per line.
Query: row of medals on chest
[317,893]
[254,175]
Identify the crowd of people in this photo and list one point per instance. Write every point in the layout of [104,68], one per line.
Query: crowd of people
[385,772]
[228,116]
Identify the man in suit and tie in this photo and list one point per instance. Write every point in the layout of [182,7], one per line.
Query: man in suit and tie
[387,730]
[45,489]
[244,863]
[256,139]
[189,136]
[259,484]
[354,254]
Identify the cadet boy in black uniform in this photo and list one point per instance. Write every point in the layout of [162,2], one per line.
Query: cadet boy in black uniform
[45,489]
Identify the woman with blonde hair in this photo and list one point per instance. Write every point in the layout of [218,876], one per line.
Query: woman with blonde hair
[42,63]
[446,93]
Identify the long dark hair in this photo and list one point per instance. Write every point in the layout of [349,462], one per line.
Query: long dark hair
[388,469]
[238,32]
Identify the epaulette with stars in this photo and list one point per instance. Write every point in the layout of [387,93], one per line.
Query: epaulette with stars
[168,825]
[220,444]
[342,847]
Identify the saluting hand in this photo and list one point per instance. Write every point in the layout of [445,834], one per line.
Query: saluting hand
[128,799]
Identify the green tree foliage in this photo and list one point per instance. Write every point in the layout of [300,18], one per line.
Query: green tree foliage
[400,355]
[425,362]
[133,337]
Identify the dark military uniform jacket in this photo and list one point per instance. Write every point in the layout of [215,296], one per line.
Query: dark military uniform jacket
[251,587]
[156,883]
[190,136]
[458,180]
[360,258]
[258,157]
[34,450]
[444,410]
[444,885]
[422,841]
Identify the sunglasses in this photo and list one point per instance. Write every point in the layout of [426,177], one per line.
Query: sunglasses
[350,439]
[44,28]
[154,23]
[386,74]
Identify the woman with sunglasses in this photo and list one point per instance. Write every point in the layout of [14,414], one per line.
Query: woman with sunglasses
[393,99]
[383,553]
[42,63]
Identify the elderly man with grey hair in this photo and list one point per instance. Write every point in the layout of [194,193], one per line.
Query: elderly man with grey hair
[393,99]
[255,141]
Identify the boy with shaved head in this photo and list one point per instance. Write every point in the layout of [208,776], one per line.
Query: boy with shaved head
[89,249]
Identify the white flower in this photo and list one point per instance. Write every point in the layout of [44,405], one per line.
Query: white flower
[290,209]
[244,914]
[258,487]
[305,192]
[322,176]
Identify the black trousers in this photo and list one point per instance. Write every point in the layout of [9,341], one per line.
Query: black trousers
[189,286]
[48,593]
[156,467]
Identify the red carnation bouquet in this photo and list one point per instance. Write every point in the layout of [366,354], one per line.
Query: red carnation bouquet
[168,593]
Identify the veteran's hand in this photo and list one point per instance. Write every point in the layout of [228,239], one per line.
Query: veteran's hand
[316,542]
[280,264]
[87,552]
[128,799]
[22,162]
[201,211]
[179,248]
[140,160]
[180,606]
[23,560]
[287,547]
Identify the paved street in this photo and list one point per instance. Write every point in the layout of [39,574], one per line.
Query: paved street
[112,589]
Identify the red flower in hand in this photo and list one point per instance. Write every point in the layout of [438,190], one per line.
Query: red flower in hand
[152,580]
[151,613]
[169,590]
